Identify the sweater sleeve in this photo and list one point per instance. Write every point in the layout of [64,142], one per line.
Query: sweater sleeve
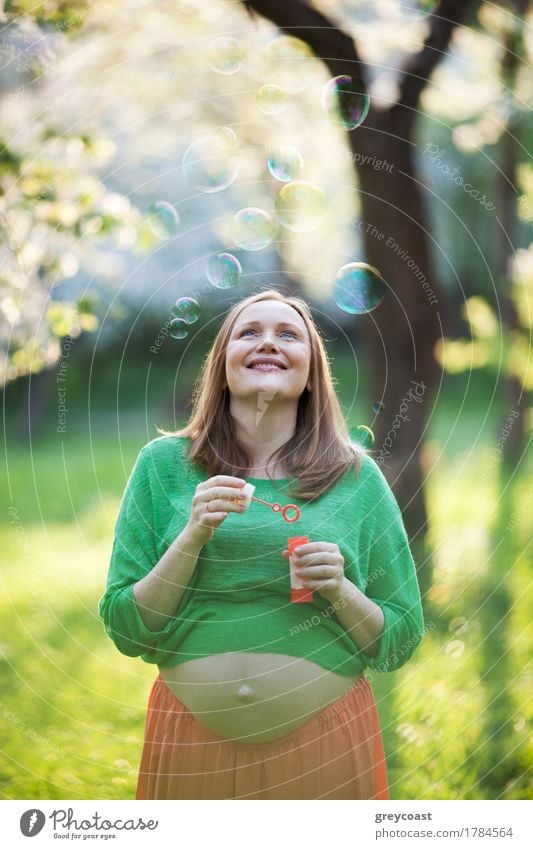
[392,581]
[133,555]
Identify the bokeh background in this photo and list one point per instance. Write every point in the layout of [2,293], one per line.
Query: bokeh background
[100,103]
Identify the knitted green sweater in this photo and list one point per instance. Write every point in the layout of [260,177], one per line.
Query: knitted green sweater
[238,599]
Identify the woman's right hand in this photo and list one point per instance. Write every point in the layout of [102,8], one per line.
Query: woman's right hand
[211,504]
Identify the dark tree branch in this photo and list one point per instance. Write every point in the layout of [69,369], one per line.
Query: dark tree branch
[418,69]
[329,43]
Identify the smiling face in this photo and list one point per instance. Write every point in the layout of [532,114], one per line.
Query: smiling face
[269,350]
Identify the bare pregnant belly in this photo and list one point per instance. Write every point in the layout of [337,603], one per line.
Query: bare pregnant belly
[252,697]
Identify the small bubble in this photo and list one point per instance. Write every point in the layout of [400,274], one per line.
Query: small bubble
[163,220]
[345,101]
[271,99]
[364,436]
[210,164]
[253,229]
[225,55]
[187,310]
[285,164]
[224,270]
[455,648]
[378,407]
[458,625]
[301,206]
[359,288]
[178,328]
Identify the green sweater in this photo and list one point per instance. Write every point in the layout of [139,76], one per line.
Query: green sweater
[238,599]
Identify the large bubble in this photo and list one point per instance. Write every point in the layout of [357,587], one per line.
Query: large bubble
[178,328]
[187,310]
[163,220]
[225,55]
[211,164]
[358,288]
[223,270]
[285,163]
[345,101]
[253,229]
[271,99]
[301,206]
[288,61]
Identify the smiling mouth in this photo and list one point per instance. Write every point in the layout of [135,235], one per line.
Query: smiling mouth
[266,367]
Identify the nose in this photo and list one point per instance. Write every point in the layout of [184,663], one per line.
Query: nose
[267,342]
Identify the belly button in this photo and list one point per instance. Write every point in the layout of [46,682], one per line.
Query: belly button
[245,693]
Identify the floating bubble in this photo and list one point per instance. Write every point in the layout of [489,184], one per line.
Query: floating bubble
[225,55]
[346,101]
[163,220]
[253,229]
[187,310]
[271,99]
[359,288]
[458,625]
[210,164]
[455,648]
[285,163]
[301,206]
[288,62]
[223,270]
[378,407]
[178,328]
[364,436]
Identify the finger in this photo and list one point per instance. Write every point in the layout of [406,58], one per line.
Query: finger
[318,572]
[214,505]
[310,547]
[222,480]
[211,519]
[222,492]
[320,558]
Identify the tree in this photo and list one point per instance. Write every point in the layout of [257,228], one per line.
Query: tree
[402,337]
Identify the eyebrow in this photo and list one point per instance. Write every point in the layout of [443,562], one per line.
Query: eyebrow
[279,324]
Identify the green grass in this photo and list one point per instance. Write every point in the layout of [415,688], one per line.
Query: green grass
[72,708]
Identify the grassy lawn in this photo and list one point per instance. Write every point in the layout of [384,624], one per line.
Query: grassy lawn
[72,709]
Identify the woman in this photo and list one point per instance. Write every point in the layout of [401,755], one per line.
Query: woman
[258,697]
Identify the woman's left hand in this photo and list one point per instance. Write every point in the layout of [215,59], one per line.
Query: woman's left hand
[320,565]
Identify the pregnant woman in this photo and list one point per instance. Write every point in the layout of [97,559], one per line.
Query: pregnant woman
[259,697]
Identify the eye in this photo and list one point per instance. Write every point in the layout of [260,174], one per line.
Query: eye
[246,330]
[290,332]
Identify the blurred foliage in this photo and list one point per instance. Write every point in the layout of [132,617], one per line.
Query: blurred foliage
[83,107]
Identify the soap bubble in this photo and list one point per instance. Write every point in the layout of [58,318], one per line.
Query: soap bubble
[301,206]
[455,648]
[346,101]
[163,220]
[271,99]
[285,163]
[187,310]
[359,288]
[210,163]
[458,625]
[223,270]
[253,229]
[225,55]
[178,328]
[364,436]
[288,62]
[378,407]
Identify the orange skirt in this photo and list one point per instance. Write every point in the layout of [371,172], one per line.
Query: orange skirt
[338,754]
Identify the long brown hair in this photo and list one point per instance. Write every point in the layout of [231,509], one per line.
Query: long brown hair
[318,453]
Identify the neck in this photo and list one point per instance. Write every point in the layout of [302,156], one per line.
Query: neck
[262,428]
